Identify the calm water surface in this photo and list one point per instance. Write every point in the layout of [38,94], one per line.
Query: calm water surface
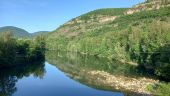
[44,79]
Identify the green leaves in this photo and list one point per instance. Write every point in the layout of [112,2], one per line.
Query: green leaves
[161,89]
[7,49]
[12,50]
[134,38]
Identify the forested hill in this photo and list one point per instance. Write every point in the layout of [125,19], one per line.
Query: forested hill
[92,22]
[88,32]
[17,32]
[39,33]
[141,37]
[20,33]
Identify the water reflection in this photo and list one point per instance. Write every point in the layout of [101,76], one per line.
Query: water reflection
[77,62]
[77,66]
[33,80]
[7,86]
[9,77]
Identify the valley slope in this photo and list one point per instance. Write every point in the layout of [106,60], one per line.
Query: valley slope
[141,38]
[115,34]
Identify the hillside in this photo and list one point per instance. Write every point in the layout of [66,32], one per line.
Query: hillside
[149,5]
[39,33]
[17,32]
[21,33]
[92,30]
[85,23]
[141,38]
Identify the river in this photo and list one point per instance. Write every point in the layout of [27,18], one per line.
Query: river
[62,74]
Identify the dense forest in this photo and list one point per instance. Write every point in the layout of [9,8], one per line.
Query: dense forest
[17,51]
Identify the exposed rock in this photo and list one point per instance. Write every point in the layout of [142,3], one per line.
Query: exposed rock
[149,5]
[137,85]
[106,19]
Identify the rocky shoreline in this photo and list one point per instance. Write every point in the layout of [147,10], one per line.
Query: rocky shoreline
[129,85]
[136,85]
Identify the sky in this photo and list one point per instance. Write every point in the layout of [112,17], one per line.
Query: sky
[48,15]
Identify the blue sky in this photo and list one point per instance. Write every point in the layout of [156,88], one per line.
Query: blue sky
[47,15]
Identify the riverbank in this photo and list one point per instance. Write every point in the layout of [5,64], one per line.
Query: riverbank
[130,86]
[136,85]
[101,73]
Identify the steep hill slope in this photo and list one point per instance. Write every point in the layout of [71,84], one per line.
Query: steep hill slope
[139,36]
[149,5]
[85,23]
[17,32]
[142,37]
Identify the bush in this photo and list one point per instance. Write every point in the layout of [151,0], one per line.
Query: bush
[161,62]
[7,49]
[161,89]
[20,51]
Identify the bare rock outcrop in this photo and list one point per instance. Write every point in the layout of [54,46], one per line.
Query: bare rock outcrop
[148,5]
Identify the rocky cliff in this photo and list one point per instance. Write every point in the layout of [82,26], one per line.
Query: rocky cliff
[149,5]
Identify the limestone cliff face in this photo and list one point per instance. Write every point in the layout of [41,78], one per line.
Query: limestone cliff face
[149,5]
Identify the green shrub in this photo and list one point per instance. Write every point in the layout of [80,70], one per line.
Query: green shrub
[7,49]
[162,89]
[17,51]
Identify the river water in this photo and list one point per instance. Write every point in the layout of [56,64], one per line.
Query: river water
[55,83]
[62,74]
[45,79]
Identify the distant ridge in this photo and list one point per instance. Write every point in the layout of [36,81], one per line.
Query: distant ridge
[17,32]
[20,33]
[39,33]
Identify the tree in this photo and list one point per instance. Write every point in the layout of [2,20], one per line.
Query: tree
[7,49]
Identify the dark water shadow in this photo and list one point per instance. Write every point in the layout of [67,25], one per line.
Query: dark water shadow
[9,76]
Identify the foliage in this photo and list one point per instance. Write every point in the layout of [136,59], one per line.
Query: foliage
[161,89]
[105,12]
[7,49]
[161,62]
[15,51]
[142,37]
[32,49]
[37,48]
[39,33]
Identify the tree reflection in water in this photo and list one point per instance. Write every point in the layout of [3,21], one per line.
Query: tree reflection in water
[9,77]
[77,67]
[7,86]
[75,62]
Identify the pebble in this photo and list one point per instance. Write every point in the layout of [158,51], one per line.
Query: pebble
[118,82]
